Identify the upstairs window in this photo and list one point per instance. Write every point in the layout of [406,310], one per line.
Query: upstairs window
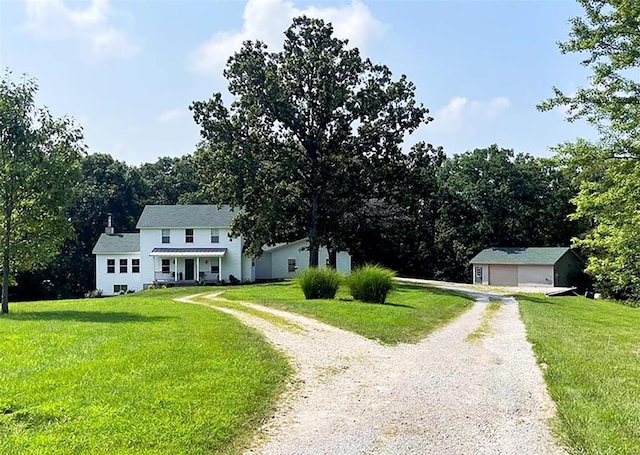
[166,266]
[123,266]
[135,265]
[215,235]
[111,266]
[166,236]
[188,235]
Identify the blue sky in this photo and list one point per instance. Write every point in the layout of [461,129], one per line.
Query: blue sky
[128,70]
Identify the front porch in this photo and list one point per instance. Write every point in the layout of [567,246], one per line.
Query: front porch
[187,266]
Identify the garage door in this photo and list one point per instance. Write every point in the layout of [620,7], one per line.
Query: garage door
[503,275]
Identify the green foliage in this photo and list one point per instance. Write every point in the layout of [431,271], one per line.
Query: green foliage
[134,374]
[608,36]
[590,349]
[311,130]
[371,283]
[411,313]
[39,171]
[609,191]
[444,210]
[319,283]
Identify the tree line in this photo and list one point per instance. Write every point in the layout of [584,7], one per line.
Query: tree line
[439,212]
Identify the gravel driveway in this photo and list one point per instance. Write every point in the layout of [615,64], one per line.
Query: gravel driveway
[444,395]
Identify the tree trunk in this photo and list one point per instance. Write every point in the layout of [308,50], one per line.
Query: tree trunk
[333,257]
[313,233]
[5,262]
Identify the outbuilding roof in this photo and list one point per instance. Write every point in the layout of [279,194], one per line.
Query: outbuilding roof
[117,243]
[530,255]
[185,216]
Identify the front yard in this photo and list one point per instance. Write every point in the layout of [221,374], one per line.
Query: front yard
[133,374]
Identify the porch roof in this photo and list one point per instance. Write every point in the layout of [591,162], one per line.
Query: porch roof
[189,252]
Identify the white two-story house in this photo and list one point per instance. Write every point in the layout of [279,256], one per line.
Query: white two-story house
[187,244]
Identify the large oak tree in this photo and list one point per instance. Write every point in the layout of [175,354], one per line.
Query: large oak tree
[39,167]
[309,129]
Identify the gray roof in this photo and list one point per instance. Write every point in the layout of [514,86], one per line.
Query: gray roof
[531,255]
[117,243]
[185,216]
[189,250]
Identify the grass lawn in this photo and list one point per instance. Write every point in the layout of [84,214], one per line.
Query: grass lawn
[132,374]
[592,352]
[411,312]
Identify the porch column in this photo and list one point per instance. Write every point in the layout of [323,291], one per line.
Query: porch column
[198,269]
[219,268]
[175,269]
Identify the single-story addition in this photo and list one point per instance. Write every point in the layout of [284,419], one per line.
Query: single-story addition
[187,244]
[533,266]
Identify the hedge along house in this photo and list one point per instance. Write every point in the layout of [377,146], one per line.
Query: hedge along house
[533,266]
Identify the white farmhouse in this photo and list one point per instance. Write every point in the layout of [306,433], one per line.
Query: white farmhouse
[187,244]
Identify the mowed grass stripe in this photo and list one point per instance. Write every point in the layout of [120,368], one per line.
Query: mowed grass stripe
[591,349]
[410,314]
[132,374]
[484,328]
[274,319]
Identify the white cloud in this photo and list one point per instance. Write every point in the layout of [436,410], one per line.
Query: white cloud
[91,27]
[266,20]
[171,115]
[460,114]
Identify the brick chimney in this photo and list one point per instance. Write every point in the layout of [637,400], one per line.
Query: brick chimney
[109,229]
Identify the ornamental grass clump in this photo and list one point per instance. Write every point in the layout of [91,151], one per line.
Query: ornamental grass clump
[371,283]
[319,283]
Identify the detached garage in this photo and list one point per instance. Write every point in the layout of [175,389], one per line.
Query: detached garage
[535,266]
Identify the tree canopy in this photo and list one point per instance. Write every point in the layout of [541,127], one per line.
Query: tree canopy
[308,131]
[39,167]
[608,35]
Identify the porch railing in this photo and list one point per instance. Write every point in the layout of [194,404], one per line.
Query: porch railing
[164,276]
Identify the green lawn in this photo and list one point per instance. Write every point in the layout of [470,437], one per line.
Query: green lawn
[592,352]
[133,374]
[411,313]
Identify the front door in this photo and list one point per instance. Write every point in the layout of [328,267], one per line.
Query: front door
[188,269]
[478,275]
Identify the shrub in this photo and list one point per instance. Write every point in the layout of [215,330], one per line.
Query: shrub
[233,280]
[371,283]
[93,294]
[319,283]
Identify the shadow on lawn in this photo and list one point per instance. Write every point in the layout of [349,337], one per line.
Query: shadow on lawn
[84,316]
[535,299]
[432,290]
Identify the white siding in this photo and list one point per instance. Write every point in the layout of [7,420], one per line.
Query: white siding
[535,275]
[263,266]
[151,238]
[106,281]
[278,260]
[343,262]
